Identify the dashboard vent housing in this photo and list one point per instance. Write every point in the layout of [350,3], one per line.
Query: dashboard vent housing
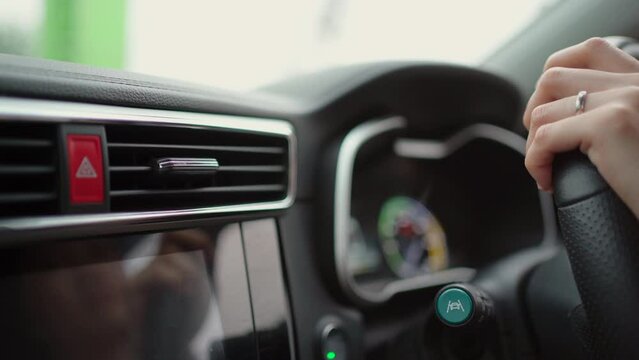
[252,168]
[28,169]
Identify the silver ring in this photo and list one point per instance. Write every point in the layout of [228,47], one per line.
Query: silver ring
[580,103]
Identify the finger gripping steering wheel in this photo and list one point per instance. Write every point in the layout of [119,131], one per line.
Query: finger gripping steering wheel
[601,236]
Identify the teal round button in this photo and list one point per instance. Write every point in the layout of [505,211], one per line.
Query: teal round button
[454,306]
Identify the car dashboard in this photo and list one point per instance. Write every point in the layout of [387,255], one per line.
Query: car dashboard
[148,219]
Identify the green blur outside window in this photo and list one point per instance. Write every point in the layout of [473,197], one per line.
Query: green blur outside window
[83,31]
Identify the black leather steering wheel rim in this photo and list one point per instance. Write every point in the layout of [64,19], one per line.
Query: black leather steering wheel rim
[601,236]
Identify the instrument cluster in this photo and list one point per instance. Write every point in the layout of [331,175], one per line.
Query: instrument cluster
[426,212]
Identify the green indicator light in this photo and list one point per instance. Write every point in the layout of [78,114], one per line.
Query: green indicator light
[331,355]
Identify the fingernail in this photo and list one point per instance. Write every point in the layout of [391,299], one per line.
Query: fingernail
[540,188]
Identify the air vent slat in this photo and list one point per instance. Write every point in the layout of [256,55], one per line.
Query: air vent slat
[117,169]
[21,142]
[220,189]
[257,168]
[250,168]
[246,149]
[26,170]
[26,197]
[266,168]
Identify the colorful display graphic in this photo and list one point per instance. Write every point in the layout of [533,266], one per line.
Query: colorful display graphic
[412,239]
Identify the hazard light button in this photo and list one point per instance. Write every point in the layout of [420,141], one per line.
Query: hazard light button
[86,170]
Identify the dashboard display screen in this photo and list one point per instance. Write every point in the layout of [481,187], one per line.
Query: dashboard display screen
[170,295]
[412,239]
[408,240]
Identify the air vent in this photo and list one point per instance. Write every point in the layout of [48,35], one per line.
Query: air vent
[244,168]
[28,169]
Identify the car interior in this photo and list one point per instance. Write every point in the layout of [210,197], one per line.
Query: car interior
[376,210]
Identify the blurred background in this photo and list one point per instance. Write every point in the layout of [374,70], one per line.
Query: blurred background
[245,44]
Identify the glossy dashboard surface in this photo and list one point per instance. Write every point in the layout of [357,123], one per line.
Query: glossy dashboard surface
[182,294]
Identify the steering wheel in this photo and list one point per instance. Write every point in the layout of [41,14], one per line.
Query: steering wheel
[601,236]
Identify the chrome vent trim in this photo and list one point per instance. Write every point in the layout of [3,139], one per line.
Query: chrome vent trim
[45,111]
[177,165]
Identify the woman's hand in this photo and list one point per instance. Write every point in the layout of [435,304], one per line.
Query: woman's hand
[607,130]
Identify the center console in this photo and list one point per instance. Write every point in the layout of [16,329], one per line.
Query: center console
[105,254]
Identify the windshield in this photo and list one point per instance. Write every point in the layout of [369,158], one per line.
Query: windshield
[243,44]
